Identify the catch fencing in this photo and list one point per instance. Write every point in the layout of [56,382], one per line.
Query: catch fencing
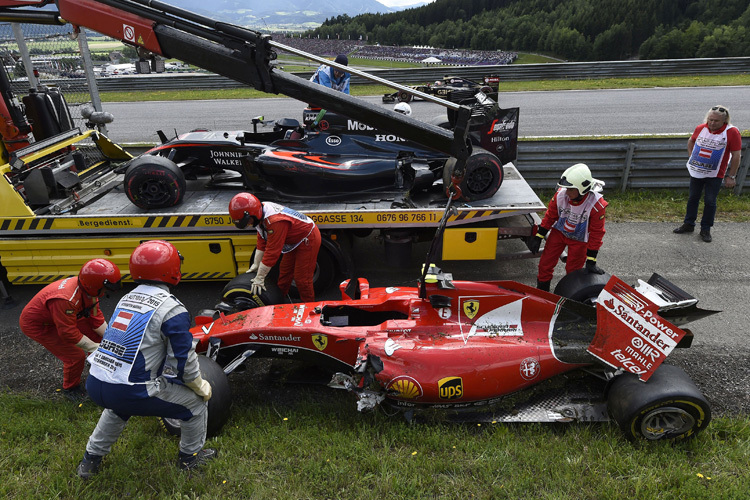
[54,59]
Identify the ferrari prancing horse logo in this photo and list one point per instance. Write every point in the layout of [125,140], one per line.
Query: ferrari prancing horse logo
[320,341]
[471,308]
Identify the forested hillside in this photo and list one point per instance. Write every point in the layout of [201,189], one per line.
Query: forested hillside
[577,30]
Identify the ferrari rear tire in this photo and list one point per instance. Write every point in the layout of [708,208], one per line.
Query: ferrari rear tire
[154,182]
[404,96]
[219,404]
[667,407]
[582,286]
[483,175]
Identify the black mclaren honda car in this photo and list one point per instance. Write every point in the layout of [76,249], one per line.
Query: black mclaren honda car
[332,157]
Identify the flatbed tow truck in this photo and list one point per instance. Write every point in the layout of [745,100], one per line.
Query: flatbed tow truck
[62,201]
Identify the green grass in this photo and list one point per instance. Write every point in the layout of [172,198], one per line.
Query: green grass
[320,447]
[665,205]
[369,90]
[526,58]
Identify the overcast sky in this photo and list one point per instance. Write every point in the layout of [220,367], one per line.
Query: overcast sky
[395,3]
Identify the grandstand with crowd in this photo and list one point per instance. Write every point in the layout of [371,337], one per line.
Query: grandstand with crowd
[360,48]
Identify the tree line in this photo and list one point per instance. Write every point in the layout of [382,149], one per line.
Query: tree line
[577,30]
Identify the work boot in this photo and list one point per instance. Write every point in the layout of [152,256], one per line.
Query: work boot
[192,461]
[76,394]
[89,465]
[543,285]
[685,228]
[706,235]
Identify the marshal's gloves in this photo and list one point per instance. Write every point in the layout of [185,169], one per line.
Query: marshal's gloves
[201,387]
[591,266]
[259,282]
[87,344]
[256,261]
[536,241]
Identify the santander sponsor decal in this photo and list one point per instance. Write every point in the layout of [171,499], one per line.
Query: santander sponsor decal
[630,334]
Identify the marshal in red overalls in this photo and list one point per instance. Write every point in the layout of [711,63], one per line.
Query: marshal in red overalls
[58,317]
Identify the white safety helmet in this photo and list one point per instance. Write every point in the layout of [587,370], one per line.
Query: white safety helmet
[578,176]
[402,108]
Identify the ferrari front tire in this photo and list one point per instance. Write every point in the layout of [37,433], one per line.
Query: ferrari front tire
[219,404]
[239,295]
[667,407]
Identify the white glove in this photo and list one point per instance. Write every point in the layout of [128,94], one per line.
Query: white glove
[259,282]
[201,387]
[256,261]
[87,344]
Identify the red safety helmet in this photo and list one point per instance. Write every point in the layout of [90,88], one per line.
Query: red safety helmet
[243,207]
[156,260]
[98,275]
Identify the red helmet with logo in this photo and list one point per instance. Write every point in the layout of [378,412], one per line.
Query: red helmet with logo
[156,260]
[98,275]
[244,207]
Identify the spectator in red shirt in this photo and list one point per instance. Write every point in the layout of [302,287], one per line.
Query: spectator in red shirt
[282,233]
[65,318]
[714,146]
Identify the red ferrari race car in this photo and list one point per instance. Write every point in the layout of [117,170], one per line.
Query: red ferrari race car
[479,351]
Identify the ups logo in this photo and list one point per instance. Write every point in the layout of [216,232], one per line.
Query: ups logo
[451,388]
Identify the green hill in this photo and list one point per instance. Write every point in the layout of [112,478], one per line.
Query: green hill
[579,30]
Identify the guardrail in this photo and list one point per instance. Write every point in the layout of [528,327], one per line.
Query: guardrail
[513,72]
[624,163]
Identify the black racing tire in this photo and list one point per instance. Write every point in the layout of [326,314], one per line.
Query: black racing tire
[667,407]
[482,178]
[218,406]
[237,293]
[404,96]
[154,182]
[326,271]
[582,286]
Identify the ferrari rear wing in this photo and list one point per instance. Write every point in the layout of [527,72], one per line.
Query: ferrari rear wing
[632,333]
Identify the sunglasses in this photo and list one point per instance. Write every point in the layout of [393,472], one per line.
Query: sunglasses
[719,109]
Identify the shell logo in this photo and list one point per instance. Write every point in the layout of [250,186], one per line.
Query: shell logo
[404,387]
